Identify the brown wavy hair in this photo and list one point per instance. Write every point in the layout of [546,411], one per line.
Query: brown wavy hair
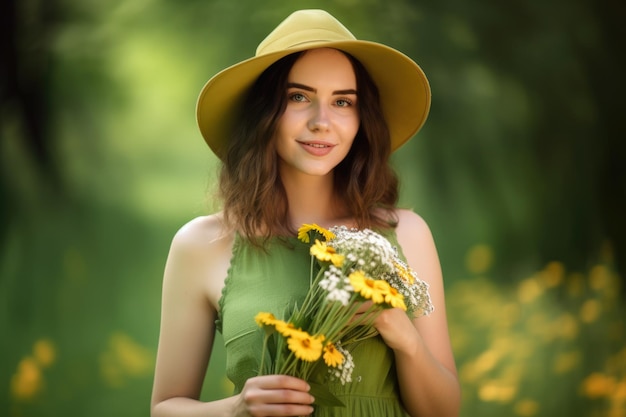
[255,201]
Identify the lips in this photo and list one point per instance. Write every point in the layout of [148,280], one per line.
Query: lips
[317,148]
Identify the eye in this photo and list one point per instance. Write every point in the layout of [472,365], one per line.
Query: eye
[344,102]
[299,97]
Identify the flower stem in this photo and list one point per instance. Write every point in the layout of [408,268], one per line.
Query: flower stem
[265,340]
[311,273]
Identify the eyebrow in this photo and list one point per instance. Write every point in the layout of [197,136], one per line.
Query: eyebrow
[314,90]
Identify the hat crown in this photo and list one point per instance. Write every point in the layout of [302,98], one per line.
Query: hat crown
[304,27]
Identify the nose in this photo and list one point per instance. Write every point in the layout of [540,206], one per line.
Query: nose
[319,120]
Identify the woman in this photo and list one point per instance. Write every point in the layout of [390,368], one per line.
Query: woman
[304,130]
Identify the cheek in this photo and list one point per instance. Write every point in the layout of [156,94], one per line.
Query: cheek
[351,129]
[284,129]
[353,125]
[288,127]
[279,145]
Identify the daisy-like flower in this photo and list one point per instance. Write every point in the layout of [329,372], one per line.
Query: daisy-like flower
[370,289]
[381,288]
[265,319]
[343,371]
[305,347]
[404,271]
[303,232]
[286,329]
[394,298]
[326,253]
[332,356]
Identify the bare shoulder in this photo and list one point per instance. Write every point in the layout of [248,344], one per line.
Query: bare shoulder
[200,254]
[412,227]
[418,245]
[201,232]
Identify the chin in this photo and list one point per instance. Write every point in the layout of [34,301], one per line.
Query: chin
[318,172]
[311,168]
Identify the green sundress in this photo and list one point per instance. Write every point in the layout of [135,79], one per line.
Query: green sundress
[272,281]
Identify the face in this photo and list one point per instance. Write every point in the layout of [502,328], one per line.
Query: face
[321,119]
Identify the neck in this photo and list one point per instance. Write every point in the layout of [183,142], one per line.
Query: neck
[312,200]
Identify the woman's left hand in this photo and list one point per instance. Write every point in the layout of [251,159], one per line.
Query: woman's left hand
[393,324]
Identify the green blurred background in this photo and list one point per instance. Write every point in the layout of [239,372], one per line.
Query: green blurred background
[519,171]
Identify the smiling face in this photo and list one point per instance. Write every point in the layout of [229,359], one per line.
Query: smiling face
[321,118]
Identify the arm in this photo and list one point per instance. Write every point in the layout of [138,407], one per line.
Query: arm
[194,276]
[425,364]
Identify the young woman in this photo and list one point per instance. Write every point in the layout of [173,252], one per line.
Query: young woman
[304,130]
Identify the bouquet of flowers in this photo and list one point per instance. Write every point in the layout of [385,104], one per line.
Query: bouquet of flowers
[355,266]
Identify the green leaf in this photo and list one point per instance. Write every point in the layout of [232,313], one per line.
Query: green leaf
[323,396]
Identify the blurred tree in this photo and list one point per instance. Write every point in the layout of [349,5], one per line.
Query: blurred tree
[567,55]
[526,127]
[606,63]
[25,56]
[25,51]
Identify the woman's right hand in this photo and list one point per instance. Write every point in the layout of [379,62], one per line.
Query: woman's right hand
[274,395]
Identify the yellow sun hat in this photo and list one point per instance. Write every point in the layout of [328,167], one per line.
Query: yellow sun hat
[403,86]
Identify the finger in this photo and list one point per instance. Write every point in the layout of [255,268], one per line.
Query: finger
[276,389]
[280,410]
[277,396]
[279,382]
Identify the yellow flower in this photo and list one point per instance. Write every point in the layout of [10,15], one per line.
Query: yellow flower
[44,352]
[404,272]
[304,346]
[27,381]
[265,319]
[332,356]
[395,299]
[303,232]
[370,289]
[286,329]
[326,253]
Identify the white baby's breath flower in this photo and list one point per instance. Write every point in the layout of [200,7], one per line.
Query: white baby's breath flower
[372,252]
[337,286]
[341,295]
[415,291]
[376,257]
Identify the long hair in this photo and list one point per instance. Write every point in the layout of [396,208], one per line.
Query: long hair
[254,199]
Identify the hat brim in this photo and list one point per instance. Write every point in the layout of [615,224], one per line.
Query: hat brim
[403,86]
